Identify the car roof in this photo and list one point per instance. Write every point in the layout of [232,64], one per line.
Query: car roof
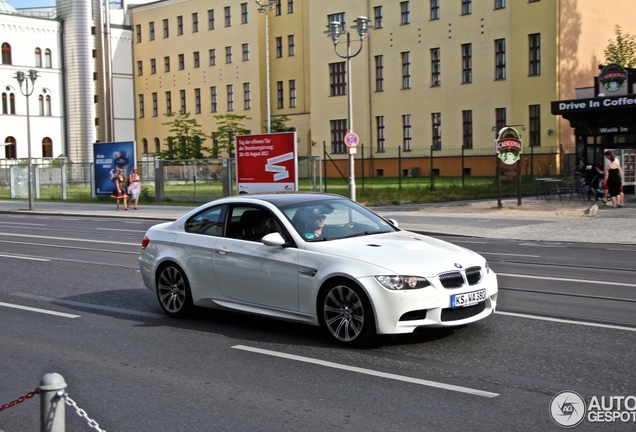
[285,198]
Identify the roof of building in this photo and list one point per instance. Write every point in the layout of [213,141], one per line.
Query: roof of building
[6,8]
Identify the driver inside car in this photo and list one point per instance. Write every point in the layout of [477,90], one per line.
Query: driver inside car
[310,222]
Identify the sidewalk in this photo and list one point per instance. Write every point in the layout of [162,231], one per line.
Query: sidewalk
[535,219]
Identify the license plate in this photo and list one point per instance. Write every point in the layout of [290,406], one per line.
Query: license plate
[468,299]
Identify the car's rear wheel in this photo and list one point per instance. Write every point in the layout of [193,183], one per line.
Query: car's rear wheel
[173,291]
[346,314]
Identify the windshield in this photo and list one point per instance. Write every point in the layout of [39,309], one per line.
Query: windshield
[332,219]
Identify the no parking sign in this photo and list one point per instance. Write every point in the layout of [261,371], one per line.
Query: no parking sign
[351,139]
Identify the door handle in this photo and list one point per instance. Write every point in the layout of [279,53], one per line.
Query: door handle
[222,250]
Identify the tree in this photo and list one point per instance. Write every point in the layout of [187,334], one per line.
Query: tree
[623,50]
[185,140]
[279,124]
[228,126]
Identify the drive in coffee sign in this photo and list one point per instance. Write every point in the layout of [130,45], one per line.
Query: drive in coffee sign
[508,145]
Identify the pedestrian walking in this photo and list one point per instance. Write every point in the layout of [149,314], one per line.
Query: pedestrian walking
[120,189]
[613,180]
[134,187]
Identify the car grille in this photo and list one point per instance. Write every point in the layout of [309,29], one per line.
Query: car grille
[463,313]
[455,279]
[414,315]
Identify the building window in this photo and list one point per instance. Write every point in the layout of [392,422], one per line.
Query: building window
[141,106]
[38,57]
[279,47]
[168,103]
[467,7]
[47,58]
[246,51]
[140,69]
[166,29]
[41,104]
[379,131]
[500,59]
[196,59]
[195,22]
[214,99]
[377,14]
[292,93]
[166,64]
[138,33]
[434,9]
[243,13]
[407,138]
[144,143]
[179,25]
[338,17]
[182,94]
[157,146]
[212,53]
[228,54]
[155,106]
[211,19]
[247,96]
[153,66]
[230,97]
[500,119]
[337,79]
[436,123]
[48,106]
[290,6]
[379,73]
[405,9]
[467,128]
[6,53]
[47,147]
[436,68]
[280,95]
[10,149]
[197,101]
[500,4]
[406,70]
[151,30]
[181,62]
[291,42]
[467,63]
[338,132]
[277,7]
[228,16]
[535,125]
[535,54]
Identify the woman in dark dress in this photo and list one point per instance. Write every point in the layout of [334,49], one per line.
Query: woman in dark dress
[120,189]
[613,180]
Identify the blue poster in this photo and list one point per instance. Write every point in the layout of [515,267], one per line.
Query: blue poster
[108,157]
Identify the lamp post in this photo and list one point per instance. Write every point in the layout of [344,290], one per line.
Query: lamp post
[265,7]
[24,78]
[335,31]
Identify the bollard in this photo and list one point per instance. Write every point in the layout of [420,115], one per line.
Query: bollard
[52,417]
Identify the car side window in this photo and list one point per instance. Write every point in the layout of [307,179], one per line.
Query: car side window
[252,223]
[208,222]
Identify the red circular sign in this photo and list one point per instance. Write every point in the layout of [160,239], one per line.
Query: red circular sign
[351,139]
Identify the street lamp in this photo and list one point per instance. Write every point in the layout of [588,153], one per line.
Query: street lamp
[265,7]
[335,30]
[27,91]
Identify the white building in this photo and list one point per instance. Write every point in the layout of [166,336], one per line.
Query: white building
[82,52]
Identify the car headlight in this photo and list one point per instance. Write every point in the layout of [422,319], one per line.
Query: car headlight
[397,282]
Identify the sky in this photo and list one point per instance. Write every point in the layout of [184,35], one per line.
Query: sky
[18,4]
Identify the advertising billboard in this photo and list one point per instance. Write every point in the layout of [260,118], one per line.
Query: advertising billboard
[266,163]
[107,157]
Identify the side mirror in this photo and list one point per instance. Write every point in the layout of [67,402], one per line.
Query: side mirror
[393,222]
[273,239]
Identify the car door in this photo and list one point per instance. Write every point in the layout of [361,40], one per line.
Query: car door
[250,272]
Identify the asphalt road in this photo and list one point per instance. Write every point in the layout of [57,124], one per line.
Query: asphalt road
[566,322]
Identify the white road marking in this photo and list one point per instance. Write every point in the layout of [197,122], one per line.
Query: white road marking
[24,257]
[559,320]
[118,230]
[44,311]
[20,223]
[596,282]
[371,372]
[512,255]
[68,239]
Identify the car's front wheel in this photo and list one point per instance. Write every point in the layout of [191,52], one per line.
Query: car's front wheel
[346,314]
[173,291]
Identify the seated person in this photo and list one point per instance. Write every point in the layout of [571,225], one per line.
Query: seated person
[310,222]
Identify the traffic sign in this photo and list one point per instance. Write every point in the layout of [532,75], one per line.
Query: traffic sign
[351,139]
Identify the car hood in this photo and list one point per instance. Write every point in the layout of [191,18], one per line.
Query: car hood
[402,252]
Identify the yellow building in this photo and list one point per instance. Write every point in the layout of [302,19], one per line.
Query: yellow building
[433,78]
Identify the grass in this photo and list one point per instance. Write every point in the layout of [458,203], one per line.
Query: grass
[370,191]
